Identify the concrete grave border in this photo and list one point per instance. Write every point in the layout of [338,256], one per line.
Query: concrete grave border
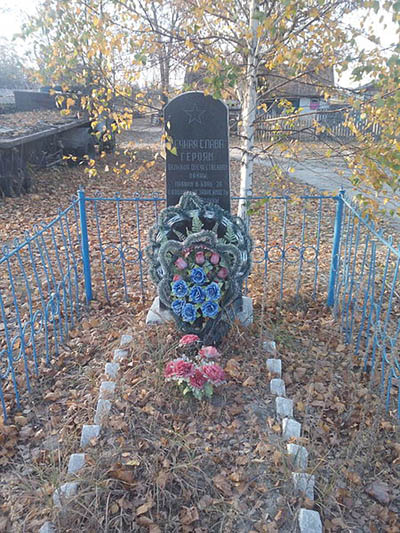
[303,483]
[91,432]
[308,521]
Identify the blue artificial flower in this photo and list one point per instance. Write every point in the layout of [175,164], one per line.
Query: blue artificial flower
[210,309]
[197,295]
[177,306]
[179,288]
[189,313]
[213,291]
[198,276]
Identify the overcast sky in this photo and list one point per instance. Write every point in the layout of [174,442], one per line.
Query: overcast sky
[14,12]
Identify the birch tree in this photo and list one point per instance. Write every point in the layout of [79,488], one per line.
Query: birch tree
[234,44]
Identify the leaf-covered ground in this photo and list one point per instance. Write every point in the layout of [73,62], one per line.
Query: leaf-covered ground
[168,464]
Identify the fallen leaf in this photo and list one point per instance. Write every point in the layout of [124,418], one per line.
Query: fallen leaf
[249,382]
[114,508]
[222,484]
[277,457]
[204,502]
[233,368]
[123,474]
[162,479]
[379,491]
[188,515]
[142,509]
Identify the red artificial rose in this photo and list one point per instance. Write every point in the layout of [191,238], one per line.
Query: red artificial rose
[209,352]
[222,273]
[169,370]
[178,368]
[197,380]
[215,258]
[180,263]
[214,373]
[177,277]
[200,258]
[188,339]
[183,369]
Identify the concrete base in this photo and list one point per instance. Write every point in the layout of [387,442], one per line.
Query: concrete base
[157,316]
[245,316]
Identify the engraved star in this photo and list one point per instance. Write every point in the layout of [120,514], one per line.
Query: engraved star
[195,114]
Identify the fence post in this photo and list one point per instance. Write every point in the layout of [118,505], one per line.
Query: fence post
[85,246]
[335,249]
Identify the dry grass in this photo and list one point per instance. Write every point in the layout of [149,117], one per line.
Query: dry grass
[168,464]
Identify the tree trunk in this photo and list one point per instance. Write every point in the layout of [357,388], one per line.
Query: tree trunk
[249,114]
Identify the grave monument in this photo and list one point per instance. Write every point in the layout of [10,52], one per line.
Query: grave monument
[199,253]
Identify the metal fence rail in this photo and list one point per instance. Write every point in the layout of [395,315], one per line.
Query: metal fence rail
[286,234]
[367,300]
[40,301]
[96,248]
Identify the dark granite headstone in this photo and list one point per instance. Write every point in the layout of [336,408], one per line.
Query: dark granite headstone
[198,159]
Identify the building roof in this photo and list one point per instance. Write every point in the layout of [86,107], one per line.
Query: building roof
[311,84]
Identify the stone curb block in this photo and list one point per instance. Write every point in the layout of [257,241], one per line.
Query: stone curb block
[304,483]
[111,370]
[119,355]
[245,316]
[89,432]
[125,340]
[102,411]
[298,455]
[290,428]
[47,527]
[309,521]
[76,462]
[107,389]
[284,407]
[64,493]
[269,347]
[277,387]
[274,366]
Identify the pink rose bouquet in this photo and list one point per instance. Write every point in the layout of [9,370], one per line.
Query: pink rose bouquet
[199,375]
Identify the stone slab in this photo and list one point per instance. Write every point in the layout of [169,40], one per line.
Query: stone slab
[274,366]
[107,389]
[309,521]
[245,316]
[157,316]
[277,387]
[198,125]
[111,370]
[284,407]
[89,432]
[298,455]
[65,493]
[119,355]
[269,347]
[47,527]
[126,340]
[76,462]
[290,428]
[304,483]
[103,409]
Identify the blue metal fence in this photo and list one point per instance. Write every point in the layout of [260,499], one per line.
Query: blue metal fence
[40,300]
[96,248]
[367,300]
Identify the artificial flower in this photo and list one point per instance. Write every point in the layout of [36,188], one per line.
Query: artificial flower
[210,309]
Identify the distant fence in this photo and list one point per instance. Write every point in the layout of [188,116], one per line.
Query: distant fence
[319,127]
[303,247]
